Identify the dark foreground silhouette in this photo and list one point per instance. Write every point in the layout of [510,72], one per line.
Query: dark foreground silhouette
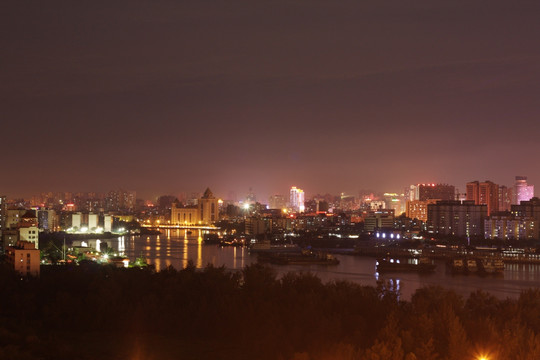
[100,312]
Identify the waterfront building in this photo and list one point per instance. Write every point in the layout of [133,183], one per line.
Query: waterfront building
[457,218]
[484,193]
[505,226]
[208,206]
[379,219]
[76,221]
[528,209]
[92,222]
[24,258]
[187,215]
[206,212]
[107,223]
[296,199]
[522,190]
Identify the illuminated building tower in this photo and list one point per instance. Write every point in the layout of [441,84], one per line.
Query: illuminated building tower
[206,212]
[296,202]
[484,193]
[393,201]
[107,223]
[208,208]
[522,191]
[47,219]
[417,209]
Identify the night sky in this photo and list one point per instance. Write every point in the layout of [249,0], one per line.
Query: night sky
[331,96]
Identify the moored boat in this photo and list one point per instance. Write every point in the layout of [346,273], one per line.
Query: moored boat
[266,247]
[303,258]
[423,265]
[456,265]
[491,265]
[472,266]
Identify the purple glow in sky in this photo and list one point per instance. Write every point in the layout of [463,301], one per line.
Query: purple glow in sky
[331,96]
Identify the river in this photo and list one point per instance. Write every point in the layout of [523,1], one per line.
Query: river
[176,247]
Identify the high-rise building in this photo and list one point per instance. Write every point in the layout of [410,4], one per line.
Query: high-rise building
[458,218]
[417,209]
[505,198]
[436,191]
[425,192]
[484,193]
[522,190]
[296,199]
[121,200]
[47,219]
[107,223]
[93,222]
[528,209]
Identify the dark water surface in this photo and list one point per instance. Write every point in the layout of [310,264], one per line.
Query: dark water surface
[176,247]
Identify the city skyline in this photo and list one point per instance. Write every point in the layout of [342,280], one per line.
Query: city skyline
[333,97]
[410,192]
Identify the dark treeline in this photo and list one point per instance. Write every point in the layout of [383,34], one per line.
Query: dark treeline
[91,312]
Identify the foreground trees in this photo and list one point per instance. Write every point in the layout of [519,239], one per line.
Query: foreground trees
[102,312]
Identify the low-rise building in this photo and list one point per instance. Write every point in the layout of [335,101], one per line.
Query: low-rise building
[30,234]
[24,258]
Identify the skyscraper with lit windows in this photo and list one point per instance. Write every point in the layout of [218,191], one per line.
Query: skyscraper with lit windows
[522,190]
[296,199]
[484,193]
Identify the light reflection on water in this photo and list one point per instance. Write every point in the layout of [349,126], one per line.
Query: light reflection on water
[176,247]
